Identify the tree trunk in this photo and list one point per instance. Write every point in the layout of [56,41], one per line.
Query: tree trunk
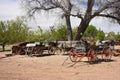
[85,21]
[69,29]
[81,29]
[3,46]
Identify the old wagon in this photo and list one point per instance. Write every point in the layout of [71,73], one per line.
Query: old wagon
[38,48]
[19,48]
[32,48]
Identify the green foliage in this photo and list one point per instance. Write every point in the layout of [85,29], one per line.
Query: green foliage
[18,30]
[3,32]
[59,34]
[110,36]
[38,35]
[100,35]
[74,31]
[13,31]
[91,31]
[62,32]
[117,37]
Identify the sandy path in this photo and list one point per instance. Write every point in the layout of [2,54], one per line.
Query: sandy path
[22,67]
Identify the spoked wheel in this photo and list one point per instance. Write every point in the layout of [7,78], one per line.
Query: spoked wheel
[29,51]
[51,50]
[92,56]
[73,57]
[76,57]
[38,51]
[107,54]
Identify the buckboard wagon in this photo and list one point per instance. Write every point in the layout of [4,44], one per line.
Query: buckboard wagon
[32,48]
[79,52]
[36,49]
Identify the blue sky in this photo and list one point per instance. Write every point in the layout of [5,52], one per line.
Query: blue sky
[10,9]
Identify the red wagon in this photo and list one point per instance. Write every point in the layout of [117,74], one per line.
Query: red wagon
[77,56]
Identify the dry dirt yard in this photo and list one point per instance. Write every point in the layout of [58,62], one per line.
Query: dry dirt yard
[21,67]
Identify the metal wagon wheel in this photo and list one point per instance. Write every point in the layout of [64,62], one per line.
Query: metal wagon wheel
[73,57]
[76,56]
[92,56]
[107,53]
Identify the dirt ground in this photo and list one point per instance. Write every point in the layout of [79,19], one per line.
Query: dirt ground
[49,67]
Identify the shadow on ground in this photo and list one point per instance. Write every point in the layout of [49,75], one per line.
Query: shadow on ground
[100,61]
[6,56]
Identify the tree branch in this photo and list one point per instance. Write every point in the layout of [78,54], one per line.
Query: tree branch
[109,16]
[104,8]
[77,15]
[33,10]
[89,9]
[59,5]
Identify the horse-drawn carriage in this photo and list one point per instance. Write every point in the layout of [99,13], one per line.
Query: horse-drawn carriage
[78,53]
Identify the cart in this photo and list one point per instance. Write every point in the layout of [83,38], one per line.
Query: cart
[78,53]
[19,48]
[38,49]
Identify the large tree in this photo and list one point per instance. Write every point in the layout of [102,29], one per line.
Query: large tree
[95,8]
[64,6]
[86,10]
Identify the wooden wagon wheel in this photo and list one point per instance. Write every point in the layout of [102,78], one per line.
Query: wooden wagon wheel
[29,51]
[107,53]
[21,51]
[38,50]
[14,50]
[51,50]
[18,50]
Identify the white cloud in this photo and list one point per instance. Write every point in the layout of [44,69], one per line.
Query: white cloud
[9,9]
[105,25]
[43,21]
